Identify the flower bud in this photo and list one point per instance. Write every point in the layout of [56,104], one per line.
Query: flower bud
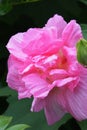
[82,52]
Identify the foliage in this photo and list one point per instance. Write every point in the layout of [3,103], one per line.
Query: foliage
[84,1]
[5,8]
[7,5]
[84,30]
[4,122]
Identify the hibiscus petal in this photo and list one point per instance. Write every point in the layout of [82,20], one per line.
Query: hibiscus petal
[37,104]
[14,79]
[12,76]
[72,63]
[76,101]
[58,74]
[48,42]
[58,22]
[23,92]
[65,81]
[71,34]
[15,46]
[53,109]
[37,86]
[14,82]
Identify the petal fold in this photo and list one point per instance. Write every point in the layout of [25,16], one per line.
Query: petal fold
[75,102]
[15,46]
[57,22]
[71,34]
[53,109]
[37,86]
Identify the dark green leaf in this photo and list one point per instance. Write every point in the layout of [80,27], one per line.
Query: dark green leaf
[4,122]
[83,125]
[84,1]
[5,8]
[82,52]
[84,30]
[70,125]
[6,91]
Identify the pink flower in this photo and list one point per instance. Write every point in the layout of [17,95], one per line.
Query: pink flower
[43,64]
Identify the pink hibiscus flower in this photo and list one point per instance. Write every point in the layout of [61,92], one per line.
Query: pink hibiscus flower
[43,64]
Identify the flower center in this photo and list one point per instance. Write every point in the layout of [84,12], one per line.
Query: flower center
[62,61]
[62,64]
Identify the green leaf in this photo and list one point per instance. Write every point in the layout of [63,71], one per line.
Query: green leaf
[6,91]
[5,8]
[84,1]
[82,52]
[18,127]
[4,122]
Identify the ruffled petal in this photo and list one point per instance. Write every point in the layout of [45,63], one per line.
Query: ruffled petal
[23,92]
[71,82]
[76,102]
[53,109]
[48,42]
[14,79]
[58,22]
[37,104]
[58,74]
[15,46]
[72,63]
[71,34]
[37,86]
